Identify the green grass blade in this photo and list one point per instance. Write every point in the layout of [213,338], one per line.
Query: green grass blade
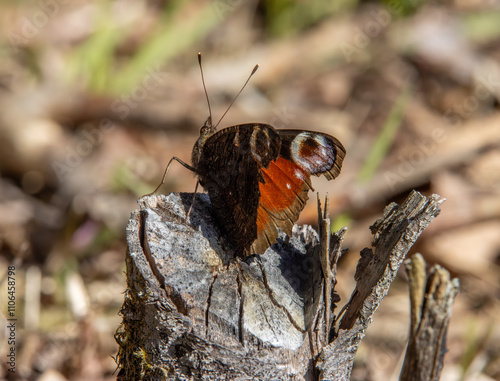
[386,136]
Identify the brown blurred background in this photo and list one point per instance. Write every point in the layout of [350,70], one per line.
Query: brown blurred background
[97,96]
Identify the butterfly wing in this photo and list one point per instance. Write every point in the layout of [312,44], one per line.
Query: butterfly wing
[315,152]
[230,171]
[287,181]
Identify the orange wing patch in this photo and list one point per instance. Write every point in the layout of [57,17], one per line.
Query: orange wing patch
[283,195]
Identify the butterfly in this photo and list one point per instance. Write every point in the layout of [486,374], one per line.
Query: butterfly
[258,177]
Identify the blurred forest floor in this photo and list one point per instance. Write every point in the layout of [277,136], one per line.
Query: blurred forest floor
[96,97]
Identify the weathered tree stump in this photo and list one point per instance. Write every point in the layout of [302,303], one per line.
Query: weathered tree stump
[193,312]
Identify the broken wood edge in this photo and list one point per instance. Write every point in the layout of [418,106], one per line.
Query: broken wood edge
[394,234]
[431,299]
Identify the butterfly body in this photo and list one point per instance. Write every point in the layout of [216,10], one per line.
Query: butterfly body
[258,178]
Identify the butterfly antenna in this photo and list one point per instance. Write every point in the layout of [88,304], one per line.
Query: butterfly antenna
[205,88]
[239,92]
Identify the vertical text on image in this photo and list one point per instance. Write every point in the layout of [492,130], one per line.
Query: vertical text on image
[11,319]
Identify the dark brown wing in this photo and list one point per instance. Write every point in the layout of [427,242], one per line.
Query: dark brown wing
[287,181]
[230,170]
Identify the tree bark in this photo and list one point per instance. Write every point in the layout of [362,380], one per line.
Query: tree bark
[193,312]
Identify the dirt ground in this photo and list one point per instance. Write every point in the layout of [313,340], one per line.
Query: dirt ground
[96,97]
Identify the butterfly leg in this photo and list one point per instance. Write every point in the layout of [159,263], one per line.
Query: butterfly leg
[192,202]
[192,169]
